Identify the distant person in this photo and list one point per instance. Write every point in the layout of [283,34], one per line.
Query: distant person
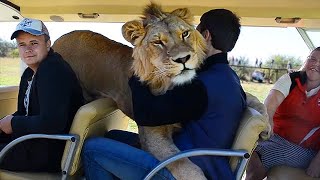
[256,64]
[260,64]
[49,97]
[272,62]
[293,108]
[289,67]
[232,61]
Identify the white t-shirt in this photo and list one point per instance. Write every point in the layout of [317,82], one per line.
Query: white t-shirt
[283,85]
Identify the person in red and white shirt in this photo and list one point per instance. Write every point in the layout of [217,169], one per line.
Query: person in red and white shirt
[293,106]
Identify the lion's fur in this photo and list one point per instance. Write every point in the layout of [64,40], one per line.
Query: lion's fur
[102,66]
[157,40]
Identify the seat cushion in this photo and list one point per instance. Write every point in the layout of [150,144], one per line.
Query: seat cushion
[93,119]
[251,125]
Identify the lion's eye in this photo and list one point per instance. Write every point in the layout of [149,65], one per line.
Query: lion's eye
[158,43]
[185,34]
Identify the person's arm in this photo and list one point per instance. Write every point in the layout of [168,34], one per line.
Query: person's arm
[21,110]
[53,91]
[277,94]
[314,167]
[181,104]
[272,102]
[5,122]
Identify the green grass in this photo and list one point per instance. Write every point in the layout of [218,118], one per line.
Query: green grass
[10,75]
[260,90]
[9,71]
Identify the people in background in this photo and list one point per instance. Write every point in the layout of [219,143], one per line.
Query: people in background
[49,96]
[293,106]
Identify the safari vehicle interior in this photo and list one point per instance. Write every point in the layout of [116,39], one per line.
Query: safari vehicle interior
[100,115]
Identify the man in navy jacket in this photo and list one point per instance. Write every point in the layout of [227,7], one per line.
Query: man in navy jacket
[209,109]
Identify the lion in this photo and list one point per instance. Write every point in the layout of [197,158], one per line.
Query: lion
[167,51]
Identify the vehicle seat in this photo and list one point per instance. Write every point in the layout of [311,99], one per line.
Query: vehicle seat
[8,100]
[92,119]
[251,126]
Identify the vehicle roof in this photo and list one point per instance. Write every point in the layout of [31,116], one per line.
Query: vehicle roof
[252,12]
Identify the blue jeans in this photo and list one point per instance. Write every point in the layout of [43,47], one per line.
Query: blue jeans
[105,159]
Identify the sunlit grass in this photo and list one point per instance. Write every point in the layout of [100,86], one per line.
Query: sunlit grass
[9,71]
[260,90]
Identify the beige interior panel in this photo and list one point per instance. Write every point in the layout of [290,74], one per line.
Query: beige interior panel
[252,12]
[8,100]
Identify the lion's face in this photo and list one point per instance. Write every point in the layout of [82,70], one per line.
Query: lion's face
[167,48]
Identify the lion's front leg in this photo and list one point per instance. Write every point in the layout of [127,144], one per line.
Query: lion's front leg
[158,141]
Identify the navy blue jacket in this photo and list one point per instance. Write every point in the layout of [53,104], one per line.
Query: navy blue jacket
[209,109]
[218,125]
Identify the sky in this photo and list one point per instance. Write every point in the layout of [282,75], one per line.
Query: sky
[254,42]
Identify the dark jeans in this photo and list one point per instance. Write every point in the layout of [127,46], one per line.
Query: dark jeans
[106,158]
[31,155]
[4,140]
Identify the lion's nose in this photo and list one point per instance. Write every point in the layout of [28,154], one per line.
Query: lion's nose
[183,59]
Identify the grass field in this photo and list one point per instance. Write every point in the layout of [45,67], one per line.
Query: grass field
[9,71]
[10,75]
[260,90]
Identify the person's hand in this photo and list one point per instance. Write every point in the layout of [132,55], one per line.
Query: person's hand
[314,167]
[5,124]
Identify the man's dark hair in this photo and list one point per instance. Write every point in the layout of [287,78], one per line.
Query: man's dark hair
[46,38]
[223,26]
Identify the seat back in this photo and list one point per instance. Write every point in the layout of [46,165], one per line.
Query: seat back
[93,119]
[8,100]
[251,125]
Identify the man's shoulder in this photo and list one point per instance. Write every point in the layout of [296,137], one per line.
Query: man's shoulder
[55,61]
[27,73]
[220,72]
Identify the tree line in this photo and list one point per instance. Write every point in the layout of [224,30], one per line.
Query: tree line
[8,49]
[272,68]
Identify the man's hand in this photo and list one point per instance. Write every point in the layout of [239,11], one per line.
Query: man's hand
[314,167]
[5,124]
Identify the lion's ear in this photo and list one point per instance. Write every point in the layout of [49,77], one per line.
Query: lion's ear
[185,14]
[133,32]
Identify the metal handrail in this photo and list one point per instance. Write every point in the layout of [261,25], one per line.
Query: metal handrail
[204,151]
[74,139]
